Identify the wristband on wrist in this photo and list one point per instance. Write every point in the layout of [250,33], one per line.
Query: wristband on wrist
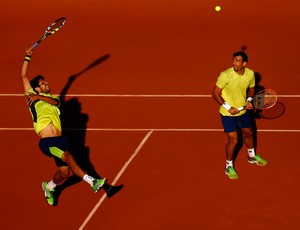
[226,105]
[27,58]
[249,99]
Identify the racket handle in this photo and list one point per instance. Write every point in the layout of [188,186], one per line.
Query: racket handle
[34,45]
[241,108]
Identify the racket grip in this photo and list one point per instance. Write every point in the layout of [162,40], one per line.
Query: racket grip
[241,108]
[34,45]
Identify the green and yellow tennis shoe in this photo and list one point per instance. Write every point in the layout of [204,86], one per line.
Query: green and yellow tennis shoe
[97,184]
[48,193]
[257,160]
[231,173]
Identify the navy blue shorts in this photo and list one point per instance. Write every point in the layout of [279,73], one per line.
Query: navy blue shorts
[60,142]
[234,123]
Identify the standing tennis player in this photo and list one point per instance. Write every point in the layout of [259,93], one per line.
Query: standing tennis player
[44,108]
[235,88]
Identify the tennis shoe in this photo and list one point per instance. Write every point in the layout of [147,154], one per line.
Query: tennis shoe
[257,160]
[231,173]
[97,184]
[48,193]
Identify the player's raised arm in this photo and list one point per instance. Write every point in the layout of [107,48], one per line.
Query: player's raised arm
[24,70]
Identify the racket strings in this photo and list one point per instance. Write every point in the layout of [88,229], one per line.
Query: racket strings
[55,26]
[265,99]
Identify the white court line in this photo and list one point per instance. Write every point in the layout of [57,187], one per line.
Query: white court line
[118,95]
[158,130]
[141,95]
[117,178]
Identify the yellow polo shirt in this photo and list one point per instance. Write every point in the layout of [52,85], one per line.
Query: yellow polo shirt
[234,88]
[44,113]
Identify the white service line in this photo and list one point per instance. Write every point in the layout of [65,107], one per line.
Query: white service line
[117,178]
[156,130]
[141,95]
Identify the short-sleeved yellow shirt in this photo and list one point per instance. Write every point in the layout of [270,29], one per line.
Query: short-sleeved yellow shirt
[234,88]
[44,113]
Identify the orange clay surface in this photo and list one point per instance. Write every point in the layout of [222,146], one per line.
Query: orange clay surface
[143,117]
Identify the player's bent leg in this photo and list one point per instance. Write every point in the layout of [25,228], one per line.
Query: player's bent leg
[232,142]
[69,159]
[248,137]
[61,175]
[230,147]
[96,184]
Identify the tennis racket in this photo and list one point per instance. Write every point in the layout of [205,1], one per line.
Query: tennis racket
[263,100]
[53,28]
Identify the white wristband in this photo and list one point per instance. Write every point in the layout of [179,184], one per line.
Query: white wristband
[249,99]
[226,105]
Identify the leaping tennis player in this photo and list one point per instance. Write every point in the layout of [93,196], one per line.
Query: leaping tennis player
[234,89]
[44,108]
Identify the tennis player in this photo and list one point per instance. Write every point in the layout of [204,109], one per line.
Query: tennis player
[44,108]
[235,88]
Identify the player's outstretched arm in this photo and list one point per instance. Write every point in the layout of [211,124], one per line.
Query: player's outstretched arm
[24,70]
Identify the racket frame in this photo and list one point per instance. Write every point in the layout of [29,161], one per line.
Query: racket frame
[49,32]
[256,96]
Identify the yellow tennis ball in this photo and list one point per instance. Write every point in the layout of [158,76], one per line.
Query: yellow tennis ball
[217,8]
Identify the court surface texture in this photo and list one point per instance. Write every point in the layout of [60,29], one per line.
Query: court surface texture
[140,113]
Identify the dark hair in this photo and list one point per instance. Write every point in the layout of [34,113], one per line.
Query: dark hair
[242,54]
[35,81]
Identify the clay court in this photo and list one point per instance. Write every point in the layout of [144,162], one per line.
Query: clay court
[140,113]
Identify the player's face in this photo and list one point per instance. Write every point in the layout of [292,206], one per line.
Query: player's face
[44,86]
[238,64]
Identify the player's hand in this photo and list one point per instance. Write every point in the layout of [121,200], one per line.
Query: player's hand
[31,98]
[233,111]
[29,51]
[249,106]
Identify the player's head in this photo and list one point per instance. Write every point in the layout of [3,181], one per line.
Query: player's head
[242,54]
[39,85]
[239,62]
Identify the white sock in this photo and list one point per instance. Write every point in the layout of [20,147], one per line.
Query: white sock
[251,152]
[88,179]
[51,185]
[229,164]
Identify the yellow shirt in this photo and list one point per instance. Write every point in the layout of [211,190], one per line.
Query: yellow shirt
[44,113]
[234,88]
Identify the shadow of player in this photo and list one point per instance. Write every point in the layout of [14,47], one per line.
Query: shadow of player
[74,124]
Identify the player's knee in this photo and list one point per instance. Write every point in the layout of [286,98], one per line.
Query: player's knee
[248,134]
[65,172]
[67,157]
[233,140]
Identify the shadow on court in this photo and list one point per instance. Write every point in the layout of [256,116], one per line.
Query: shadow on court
[74,124]
[272,113]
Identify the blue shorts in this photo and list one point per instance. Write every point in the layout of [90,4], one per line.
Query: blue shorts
[233,123]
[60,142]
